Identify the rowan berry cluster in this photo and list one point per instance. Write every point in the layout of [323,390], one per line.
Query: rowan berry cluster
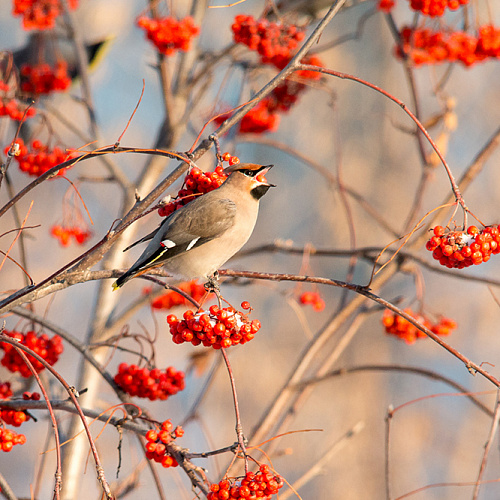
[5,390]
[386,5]
[48,348]
[31,396]
[157,440]
[260,119]
[262,485]
[173,299]
[403,329]
[284,96]
[436,8]
[196,183]
[8,416]
[152,384]
[424,46]
[44,79]
[169,34]
[65,233]
[38,158]
[459,249]
[40,14]
[307,74]
[275,42]
[9,438]
[217,328]
[10,106]
[13,417]
[314,299]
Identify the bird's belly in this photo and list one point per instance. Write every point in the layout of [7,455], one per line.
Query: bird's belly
[201,262]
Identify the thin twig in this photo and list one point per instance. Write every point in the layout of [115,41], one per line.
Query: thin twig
[239,427]
[388,419]
[58,473]
[7,491]
[487,447]
[317,468]
[72,394]
[345,76]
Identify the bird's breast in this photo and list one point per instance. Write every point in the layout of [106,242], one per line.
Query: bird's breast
[203,261]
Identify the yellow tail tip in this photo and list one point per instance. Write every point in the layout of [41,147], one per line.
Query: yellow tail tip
[115,286]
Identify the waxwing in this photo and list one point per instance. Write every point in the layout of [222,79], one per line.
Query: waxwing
[197,239]
[50,47]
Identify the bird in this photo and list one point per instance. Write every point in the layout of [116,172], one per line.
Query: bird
[49,48]
[198,238]
[311,9]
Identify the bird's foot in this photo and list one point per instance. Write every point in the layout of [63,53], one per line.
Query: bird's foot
[212,285]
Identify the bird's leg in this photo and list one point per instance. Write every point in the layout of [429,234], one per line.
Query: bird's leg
[212,285]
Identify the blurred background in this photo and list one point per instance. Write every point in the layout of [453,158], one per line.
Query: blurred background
[362,140]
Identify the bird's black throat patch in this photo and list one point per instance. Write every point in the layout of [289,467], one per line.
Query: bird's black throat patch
[259,191]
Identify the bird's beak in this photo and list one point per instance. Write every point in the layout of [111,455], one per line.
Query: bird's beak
[261,175]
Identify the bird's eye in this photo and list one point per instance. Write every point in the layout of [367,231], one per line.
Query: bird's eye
[247,172]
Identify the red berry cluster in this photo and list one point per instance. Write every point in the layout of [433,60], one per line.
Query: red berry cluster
[65,233]
[173,299]
[168,34]
[459,249]
[48,348]
[152,384]
[196,183]
[43,79]
[5,390]
[9,438]
[220,327]
[232,160]
[425,46]
[260,119]
[157,440]
[40,14]
[265,115]
[8,416]
[262,484]
[31,396]
[314,299]
[436,8]
[10,106]
[275,42]
[306,74]
[386,5]
[38,158]
[403,329]
[13,417]
[488,42]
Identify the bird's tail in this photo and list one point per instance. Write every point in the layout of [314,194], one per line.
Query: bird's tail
[123,279]
[134,271]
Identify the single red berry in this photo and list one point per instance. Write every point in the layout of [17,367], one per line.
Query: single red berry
[439,231]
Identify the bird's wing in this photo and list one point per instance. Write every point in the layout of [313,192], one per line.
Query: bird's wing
[148,237]
[200,223]
[187,229]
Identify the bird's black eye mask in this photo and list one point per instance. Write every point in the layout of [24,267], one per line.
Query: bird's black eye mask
[247,172]
[254,173]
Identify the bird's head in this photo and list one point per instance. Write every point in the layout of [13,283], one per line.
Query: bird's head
[250,177]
